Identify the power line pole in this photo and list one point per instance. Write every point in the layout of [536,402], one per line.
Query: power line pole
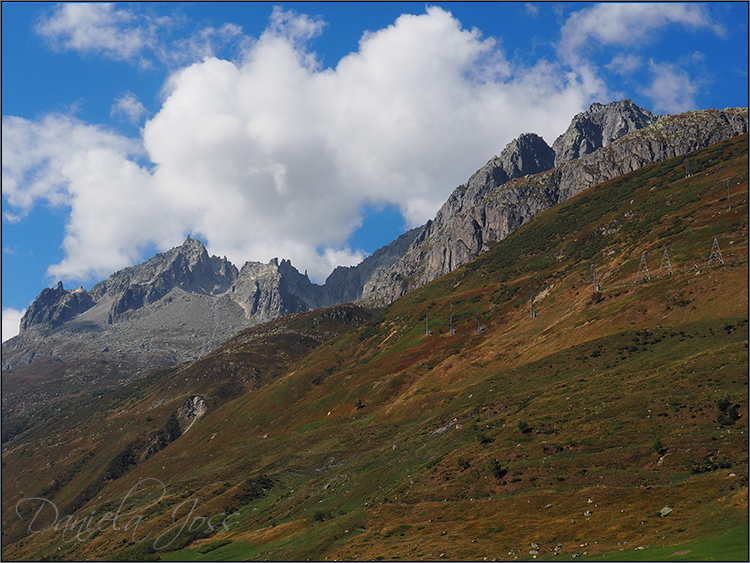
[688,173]
[479,321]
[642,270]
[453,330]
[427,325]
[715,253]
[532,312]
[665,263]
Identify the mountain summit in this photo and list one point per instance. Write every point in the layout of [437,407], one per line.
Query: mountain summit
[599,126]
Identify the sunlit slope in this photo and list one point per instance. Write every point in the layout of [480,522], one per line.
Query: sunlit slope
[600,411]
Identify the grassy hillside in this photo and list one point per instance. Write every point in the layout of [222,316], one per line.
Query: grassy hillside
[560,436]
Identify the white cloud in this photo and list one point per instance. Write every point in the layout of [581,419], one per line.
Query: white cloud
[97,29]
[531,9]
[129,107]
[629,24]
[671,88]
[11,322]
[274,156]
[625,64]
[92,171]
[205,42]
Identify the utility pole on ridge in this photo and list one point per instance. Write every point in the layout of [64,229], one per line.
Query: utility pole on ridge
[665,263]
[715,253]
[642,270]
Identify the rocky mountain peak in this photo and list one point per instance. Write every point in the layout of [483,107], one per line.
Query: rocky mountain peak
[55,306]
[193,250]
[187,267]
[528,154]
[598,126]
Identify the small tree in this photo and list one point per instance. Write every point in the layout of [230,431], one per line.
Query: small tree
[659,447]
[730,416]
[482,438]
[524,427]
[724,402]
[495,469]
[358,404]
[729,413]
[462,464]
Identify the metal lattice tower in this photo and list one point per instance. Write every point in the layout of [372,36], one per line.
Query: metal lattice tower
[479,321]
[532,312]
[665,263]
[427,331]
[453,330]
[642,274]
[715,253]
[688,172]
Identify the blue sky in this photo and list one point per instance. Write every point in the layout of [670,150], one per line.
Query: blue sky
[311,131]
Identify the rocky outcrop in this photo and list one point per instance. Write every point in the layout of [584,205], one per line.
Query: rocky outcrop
[55,306]
[190,411]
[346,284]
[266,291]
[187,267]
[462,231]
[599,126]
[526,155]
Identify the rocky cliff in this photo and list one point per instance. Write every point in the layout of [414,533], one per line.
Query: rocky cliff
[487,209]
[599,126]
[55,306]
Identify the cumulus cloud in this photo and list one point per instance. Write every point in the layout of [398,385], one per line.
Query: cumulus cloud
[128,106]
[97,29]
[11,322]
[629,24]
[94,173]
[671,88]
[271,155]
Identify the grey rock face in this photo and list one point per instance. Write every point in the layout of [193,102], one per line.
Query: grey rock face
[422,261]
[266,291]
[190,411]
[188,267]
[598,127]
[55,306]
[528,154]
[346,284]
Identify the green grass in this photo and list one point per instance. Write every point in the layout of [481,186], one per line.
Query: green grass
[236,551]
[729,546]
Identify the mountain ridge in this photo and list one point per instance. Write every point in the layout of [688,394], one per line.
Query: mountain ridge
[182,303]
[467,231]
